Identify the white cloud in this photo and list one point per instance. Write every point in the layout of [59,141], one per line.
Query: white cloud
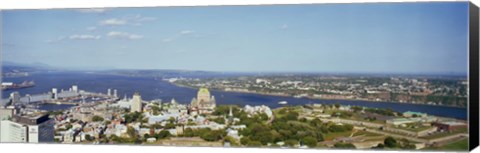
[91,28]
[123,35]
[186,32]
[136,20]
[113,21]
[93,10]
[178,35]
[84,37]
[284,26]
[139,18]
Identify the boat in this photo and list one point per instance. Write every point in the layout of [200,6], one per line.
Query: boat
[11,85]
[283,102]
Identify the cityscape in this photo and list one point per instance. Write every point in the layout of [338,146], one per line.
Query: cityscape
[219,82]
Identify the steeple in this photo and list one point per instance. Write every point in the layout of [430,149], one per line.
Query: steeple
[230,114]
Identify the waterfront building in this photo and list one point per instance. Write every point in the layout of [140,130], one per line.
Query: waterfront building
[449,126]
[109,92]
[136,103]
[115,93]
[54,93]
[204,103]
[14,97]
[75,88]
[31,128]
[414,114]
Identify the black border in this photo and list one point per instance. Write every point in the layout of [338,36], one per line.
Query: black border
[473,76]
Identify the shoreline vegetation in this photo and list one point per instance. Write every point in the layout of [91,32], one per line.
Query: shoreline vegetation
[309,97]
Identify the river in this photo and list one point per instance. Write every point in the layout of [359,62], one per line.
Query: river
[151,88]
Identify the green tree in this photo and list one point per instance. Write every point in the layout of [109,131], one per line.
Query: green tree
[390,142]
[254,144]
[88,137]
[310,141]
[291,142]
[163,134]
[97,118]
[344,145]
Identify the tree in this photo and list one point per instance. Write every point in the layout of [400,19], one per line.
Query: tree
[68,126]
[310,141]
[357,108]
[344,145]
[163,134]
[337,105]
[379,146]
[291,142]
[155,109]
[244,140]
[88,137]
[131,132]
[390,142]
[214,135]
[254,144]
[188,132]
[231,140]
[97,118]
[291,116]
[219,120]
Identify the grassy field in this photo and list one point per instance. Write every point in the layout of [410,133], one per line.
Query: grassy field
[461,145]
[444,134]
[365,133]
[415,129]
[331,136]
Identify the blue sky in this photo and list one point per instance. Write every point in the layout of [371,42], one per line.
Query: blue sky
[370,38]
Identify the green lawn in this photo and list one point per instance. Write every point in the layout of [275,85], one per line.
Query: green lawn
[365,133]
[444,134]
[461,145]
[331,136]
[416,129]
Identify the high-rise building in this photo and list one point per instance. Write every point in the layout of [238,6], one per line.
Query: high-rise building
[14,97]
[115,93]
[29,128]
[136,103]
[54,93]
[109,92]
[75,88]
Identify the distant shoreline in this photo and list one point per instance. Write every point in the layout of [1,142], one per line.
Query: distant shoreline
[283,95]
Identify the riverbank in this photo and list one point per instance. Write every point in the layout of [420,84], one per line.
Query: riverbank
[315,98]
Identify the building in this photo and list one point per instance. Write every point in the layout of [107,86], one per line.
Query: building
[7,113]
[136,103]
[449,126]
[204,103]
[123,103]
[414,114]
[32,128]
[14,97]
[253,110]
[400,121]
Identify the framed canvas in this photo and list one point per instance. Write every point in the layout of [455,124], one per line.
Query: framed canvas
[372,76]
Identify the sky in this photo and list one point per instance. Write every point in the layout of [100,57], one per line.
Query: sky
[352,38]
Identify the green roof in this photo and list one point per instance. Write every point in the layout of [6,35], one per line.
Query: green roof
[417,113]
[203,91]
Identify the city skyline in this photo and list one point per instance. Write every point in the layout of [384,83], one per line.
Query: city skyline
[351,38]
